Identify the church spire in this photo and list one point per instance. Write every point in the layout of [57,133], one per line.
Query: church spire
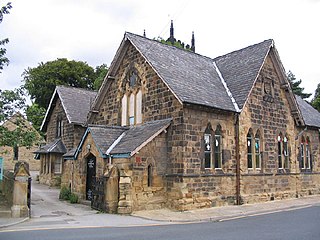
[193,47]
[171,38]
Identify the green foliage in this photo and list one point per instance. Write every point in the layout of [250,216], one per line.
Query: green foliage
[40,82]
[35,114]
[316,99]
[295,86]
[177,44]
[22,135]
[10,102]
[65,193]
[74,198]
[100,72]
[3,59]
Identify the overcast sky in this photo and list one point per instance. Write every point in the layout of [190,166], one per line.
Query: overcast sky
[91,30]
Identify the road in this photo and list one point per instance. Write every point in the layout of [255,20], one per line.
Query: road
[298,224]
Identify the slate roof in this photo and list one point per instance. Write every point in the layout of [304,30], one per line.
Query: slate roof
[104,136]
[194,79]
[70,154]
[139,135]
[123,140]
[241,68]
[190,76]
[75,101]
[56,146]
[310,115]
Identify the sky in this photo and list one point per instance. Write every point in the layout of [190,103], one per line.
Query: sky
[92,30]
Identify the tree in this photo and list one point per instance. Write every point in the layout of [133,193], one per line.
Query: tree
[178,44]
[3,59]
[35,114]
[100,72]
[295,86]
[316,99]
[40,82]
[21,135]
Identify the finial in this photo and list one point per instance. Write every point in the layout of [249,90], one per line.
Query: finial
[193,47]
[144,32]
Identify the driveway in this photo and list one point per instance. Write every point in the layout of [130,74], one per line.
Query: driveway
[47,211]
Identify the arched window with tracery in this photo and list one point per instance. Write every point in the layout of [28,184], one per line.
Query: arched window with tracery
[131,102]
[207,147]
[305,153]
[257,150]
[249,149]
[217,148]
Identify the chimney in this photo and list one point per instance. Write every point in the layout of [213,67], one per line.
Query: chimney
[193,47]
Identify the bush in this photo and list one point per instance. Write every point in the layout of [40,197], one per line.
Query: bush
[73,198]
[65,193]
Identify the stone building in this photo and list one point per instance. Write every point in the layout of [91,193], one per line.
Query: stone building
[171,128]
[64,126]
[12,155]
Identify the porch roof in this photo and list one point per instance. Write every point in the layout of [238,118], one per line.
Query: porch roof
[55,146]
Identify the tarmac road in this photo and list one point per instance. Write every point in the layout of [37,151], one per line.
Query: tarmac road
[48,212]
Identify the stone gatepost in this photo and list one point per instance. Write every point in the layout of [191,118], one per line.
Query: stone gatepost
[21,190]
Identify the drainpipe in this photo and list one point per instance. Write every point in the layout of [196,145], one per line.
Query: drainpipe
[238,197]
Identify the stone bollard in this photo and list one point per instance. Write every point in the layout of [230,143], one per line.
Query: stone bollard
[21,191]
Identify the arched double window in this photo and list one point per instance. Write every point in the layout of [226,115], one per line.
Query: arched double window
[283,151]
[213,147]
[253,150]
[131,104]
[305,153]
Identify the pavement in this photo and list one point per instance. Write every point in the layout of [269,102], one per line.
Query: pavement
[47,211]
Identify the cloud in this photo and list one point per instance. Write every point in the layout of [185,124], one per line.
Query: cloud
[91,30]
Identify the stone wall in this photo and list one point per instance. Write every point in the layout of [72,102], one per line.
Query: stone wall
[149,192]
[202,187]
[24,154]
[68,129]
[76,170]
[268,111]
[158,102]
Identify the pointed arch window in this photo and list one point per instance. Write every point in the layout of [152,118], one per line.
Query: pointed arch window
[302,154]
[131,102]
[257,150]
[308,155]
[286,152]
[217,148]
[139,107]
[131,109]
[124,103]
[254,150]
[283,151]
[280,147]
[149,175]
[207,147]
[59,131]
[305,153]
[249,149]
